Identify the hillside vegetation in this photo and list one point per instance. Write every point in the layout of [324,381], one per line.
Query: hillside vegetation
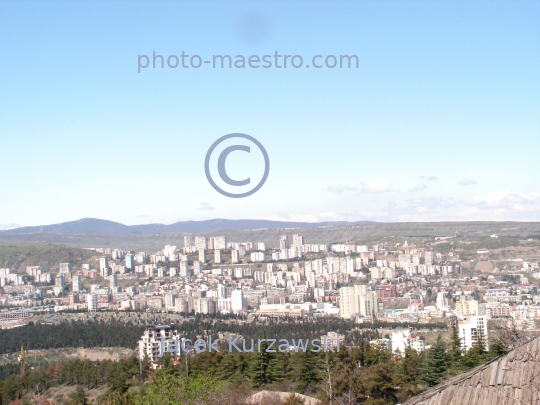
[17,256]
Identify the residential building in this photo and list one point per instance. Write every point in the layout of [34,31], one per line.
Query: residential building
[407,338]
[386,291]
[283,242]
[466,308]
[130,261]
[158,340]
[234,256]
[76,283]
[200,242]
[298,240]
[92,301]
[472,330]
[65,268]
[197,267]
[357,300]
[239,303]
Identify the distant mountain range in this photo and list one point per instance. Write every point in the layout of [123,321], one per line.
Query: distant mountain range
[104,227]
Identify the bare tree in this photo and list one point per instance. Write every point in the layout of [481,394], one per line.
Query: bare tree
[348,398]
[327,387]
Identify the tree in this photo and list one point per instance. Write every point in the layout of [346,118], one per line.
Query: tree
[435,364]
[168,389]
[260,367]
[309,371]
[456,352]
[118,378]
[409,367]
[78,397]
[280,367]
[376,384]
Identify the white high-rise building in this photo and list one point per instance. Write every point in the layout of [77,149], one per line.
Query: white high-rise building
[471,330]
[103,263]
[283,242]
[357,300]
[202,256]
[297,240]
[200,242]
[76,283]
[91,300]
[184,268]
[170,300]
[217,256]
[187,241]
[220,242]
[429,257]
[113,281]
[221,291]
[59,284]
[441,300]
[130,261]
[238,301]
[65,268]
[197,267]
[234,256]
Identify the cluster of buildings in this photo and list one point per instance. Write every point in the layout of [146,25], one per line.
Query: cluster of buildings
[399,284]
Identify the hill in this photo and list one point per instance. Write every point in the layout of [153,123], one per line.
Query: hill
[316,233]
[104,227]
[17,256]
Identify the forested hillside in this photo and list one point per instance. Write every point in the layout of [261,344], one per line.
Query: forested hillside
[364,374]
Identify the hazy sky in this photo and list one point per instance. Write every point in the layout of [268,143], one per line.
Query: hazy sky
[441,121]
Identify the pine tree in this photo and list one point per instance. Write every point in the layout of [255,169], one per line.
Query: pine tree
[260,367]
[280,367]
[78,397]
[435,364]
[456,352]
[409,366]
[309,371]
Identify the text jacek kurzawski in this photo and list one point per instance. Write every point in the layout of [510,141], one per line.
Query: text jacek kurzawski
[242,345]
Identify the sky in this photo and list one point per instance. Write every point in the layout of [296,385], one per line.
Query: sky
[440,121]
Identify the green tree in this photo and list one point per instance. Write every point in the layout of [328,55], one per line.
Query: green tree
[78,397]
[309,371]
[261,373]
[456,352]
[281,367]
[118,378]
[435,364]
[376,384]
[165,389]
[409,367]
